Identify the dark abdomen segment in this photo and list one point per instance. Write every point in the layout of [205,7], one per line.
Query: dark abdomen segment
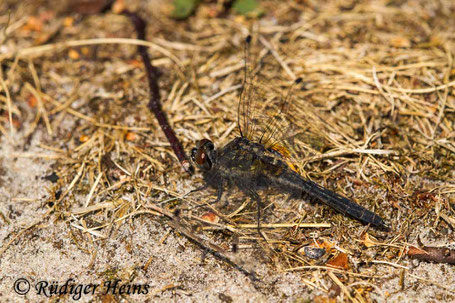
[298,185]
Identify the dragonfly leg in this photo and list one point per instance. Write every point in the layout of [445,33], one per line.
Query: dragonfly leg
[205,186]
[209,183]
[220,191]
[257,198]
[219,194]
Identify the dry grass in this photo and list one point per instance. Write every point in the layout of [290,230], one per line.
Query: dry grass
[374,120]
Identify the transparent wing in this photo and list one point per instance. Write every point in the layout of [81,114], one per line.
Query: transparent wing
[253,91]
[265,103]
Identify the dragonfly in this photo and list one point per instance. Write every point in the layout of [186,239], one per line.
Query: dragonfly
[258,159]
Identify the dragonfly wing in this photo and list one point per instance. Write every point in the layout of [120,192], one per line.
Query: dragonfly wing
[262,109]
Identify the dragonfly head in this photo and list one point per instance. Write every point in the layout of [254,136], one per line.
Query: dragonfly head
[203,155]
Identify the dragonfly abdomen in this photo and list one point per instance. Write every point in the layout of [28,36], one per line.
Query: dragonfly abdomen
[299,187]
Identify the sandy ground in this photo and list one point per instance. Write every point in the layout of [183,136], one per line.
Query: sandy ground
[47,243]
[176,270]
[47,253]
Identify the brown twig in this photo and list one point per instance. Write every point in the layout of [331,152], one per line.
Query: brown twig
[432,254]
[154,103]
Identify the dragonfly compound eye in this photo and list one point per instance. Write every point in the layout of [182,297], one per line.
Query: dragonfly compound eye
[203,154]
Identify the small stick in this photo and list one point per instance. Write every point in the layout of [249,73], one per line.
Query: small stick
[154,103]
[432,253]
[286,225]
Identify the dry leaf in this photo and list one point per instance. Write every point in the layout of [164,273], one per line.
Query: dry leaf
[432,254]
[368,242]
[340,261]
[210,217]
[415,251]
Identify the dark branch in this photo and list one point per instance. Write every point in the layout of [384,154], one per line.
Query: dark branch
[432,254]
[154,103]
